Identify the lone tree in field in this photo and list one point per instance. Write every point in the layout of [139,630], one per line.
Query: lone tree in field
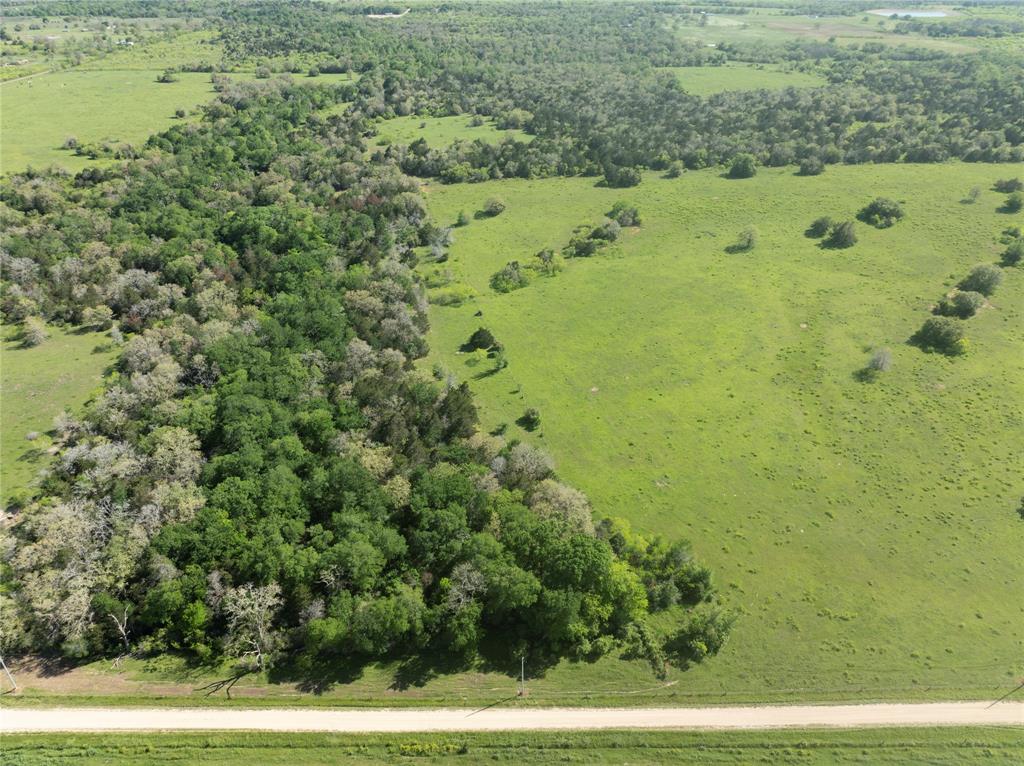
[481,340]
[530,419]
[743,166]
[511,277]
[881,213]
[881,360]
[983,279]
[494,207]
[941,334]
[841,235]
[746,241]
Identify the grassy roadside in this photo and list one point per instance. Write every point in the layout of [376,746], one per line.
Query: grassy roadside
[903,746]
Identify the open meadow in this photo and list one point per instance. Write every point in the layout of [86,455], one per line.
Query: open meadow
[866,532]
[35,385]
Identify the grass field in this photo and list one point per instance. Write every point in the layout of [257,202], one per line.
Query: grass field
[36,384]
[705,81]
[880,746]
[866,533]
[770,26]
[439,131]
[124,106]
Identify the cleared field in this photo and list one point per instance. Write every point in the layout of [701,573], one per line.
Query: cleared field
[36,384]
[931,746]
[704,81]
[766,26]
[439,131]
[40,113]
[866,533]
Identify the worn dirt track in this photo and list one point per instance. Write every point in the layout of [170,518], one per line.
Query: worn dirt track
[509,718]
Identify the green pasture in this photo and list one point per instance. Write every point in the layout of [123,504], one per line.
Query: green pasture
[706,81]
[38,114]
[772,26]
[867,534]
[185,48]
[439,131]
[35,385]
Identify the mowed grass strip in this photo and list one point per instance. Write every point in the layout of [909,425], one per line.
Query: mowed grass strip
[35,385]
[867,534]
[895,746]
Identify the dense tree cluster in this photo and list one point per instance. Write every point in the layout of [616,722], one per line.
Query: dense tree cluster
[266,474]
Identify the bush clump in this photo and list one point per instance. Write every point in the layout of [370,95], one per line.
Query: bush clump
[941,334]
[819,227]
[481,340]
[841,235]
[962,304]
[511,277]
[812,166]
[743,166]
[984,279]
[881,213]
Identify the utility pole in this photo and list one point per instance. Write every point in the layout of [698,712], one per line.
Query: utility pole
[522,676]
[14,684]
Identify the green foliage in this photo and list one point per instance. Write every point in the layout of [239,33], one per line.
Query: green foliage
[1008,185]
[841,234]
[819,227]
[494,206]
[481,339]
[941,334]
[881,213]
[621,177]
[624,214]
[743,165]
[812,166]
[963,304]
[1014,203]
[983,278]
[511,277]
[1014,253]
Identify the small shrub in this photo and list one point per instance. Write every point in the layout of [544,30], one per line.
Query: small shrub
[972,195]
[606,232]
[313,72]
[262,72]
[746,241]
[1014,203]
[621,178]
[482,339]
[33,331]
[984,279]
[530,419]
[881,360]
[963,305]
[881,213]
[168,75]
[1008,185]
[941,334]
[812,166]
[494,207]
[463,219]
[841,235]
[71,142]
[180,114]
[819,228]
[511,277]
[1014,253]
[675,169]
[624,214]
[743,166]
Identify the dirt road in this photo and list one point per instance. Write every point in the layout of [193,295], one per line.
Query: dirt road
[508,718]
